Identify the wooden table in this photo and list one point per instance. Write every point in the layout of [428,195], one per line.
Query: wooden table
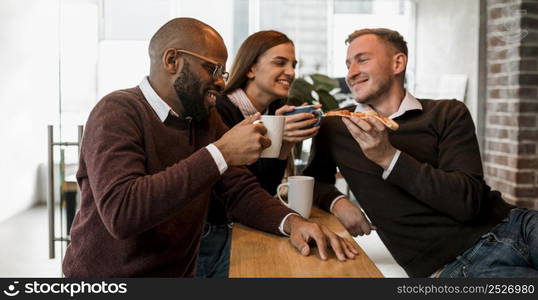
[259,254]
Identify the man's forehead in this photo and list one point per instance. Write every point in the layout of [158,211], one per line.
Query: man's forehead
[368,43]
[218,55]
[215,49]
[207,43]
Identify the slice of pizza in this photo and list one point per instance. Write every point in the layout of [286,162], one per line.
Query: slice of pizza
[391,124]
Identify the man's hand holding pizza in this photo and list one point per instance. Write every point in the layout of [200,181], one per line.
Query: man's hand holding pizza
[372,136]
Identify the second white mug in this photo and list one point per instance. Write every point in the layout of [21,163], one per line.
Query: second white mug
[300,194]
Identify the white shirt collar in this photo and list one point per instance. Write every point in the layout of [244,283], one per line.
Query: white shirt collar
[240,99]
[409,102]
[161,108]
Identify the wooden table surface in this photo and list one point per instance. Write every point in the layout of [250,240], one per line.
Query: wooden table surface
[259,254]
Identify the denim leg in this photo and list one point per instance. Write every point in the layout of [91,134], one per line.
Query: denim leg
[223,263]
[529,221]
[456,269]
[459,268]
[214,256]
[509,250]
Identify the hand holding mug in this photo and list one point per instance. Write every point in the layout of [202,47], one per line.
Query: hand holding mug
[302,123]
[244,143]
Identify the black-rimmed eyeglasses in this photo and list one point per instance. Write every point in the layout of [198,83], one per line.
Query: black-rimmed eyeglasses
[217,70]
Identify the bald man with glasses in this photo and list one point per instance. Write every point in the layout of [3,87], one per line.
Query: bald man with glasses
[152,155]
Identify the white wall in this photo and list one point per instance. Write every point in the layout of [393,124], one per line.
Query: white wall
[123,48]
[28,98]
[216,13]
[447,43]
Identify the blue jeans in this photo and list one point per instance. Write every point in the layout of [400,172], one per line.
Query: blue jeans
[214,256]
[510,249]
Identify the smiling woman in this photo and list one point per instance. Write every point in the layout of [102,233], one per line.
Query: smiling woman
[260,81]
[271,76]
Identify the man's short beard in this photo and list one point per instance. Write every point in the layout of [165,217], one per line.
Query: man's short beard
[189,91]
[383,89]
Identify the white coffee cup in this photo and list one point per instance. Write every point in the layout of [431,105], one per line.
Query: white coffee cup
[300,194]
[275,130]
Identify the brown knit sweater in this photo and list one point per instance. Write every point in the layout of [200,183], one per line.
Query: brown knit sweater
[145,187]
[434,204]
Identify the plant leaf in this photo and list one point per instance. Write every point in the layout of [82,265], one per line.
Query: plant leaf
[327,101]
[324,82]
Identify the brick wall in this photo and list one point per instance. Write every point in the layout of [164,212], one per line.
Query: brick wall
[511,131]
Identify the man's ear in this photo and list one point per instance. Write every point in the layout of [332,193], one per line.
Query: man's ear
[172,61]
[399,63]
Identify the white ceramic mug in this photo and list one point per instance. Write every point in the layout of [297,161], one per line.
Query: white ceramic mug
[275,131]
[300,194]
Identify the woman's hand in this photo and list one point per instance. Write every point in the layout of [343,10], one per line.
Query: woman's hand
[295,130]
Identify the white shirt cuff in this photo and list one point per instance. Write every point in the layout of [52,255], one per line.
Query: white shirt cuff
[218,158]
[386,173]
[334,202]
[281,227]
